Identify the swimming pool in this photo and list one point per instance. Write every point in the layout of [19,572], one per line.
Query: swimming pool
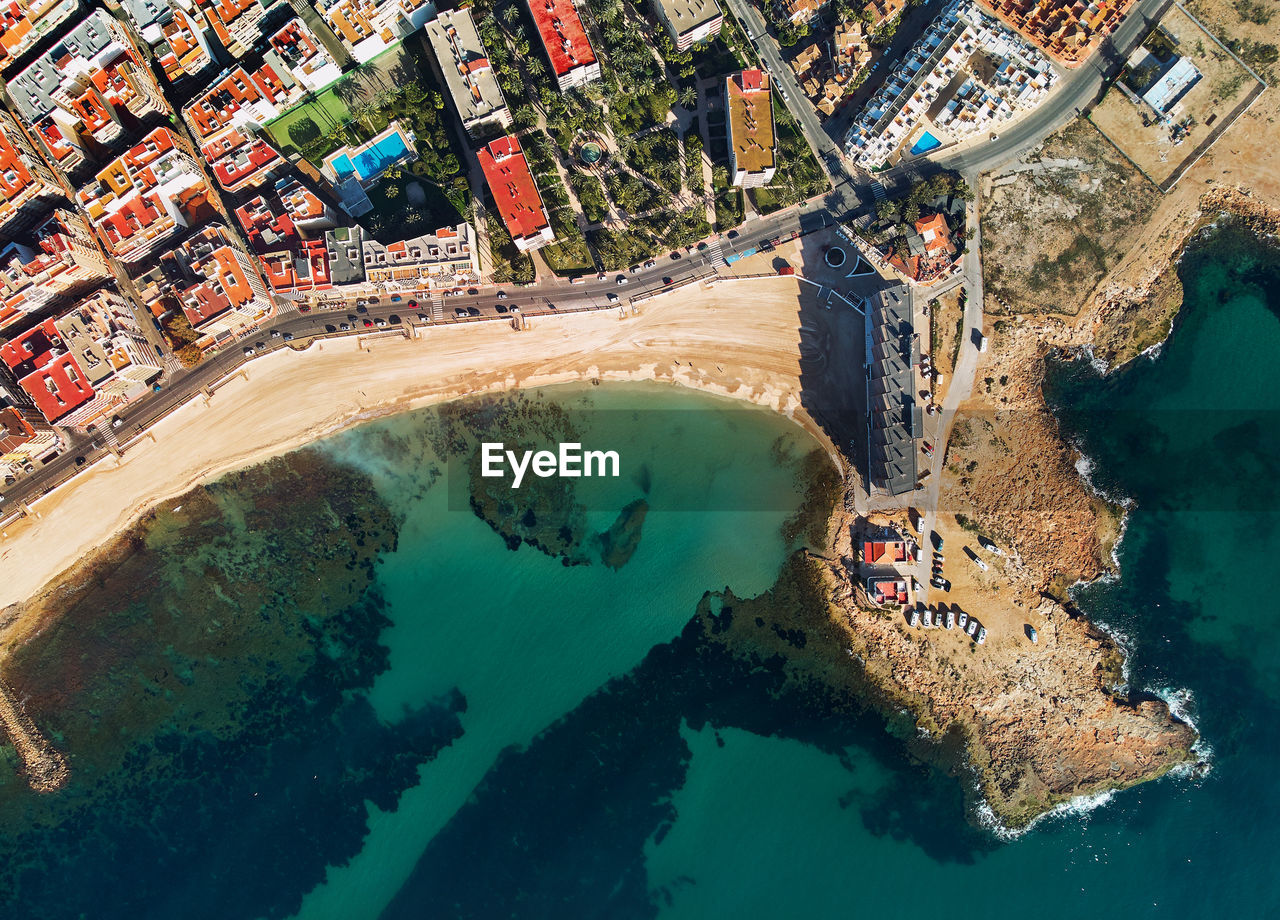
[924,144]
[370,161]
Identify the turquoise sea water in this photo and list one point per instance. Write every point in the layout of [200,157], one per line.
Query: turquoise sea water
[521,737]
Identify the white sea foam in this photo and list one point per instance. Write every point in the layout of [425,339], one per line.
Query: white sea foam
[1080,806]
[1182,704]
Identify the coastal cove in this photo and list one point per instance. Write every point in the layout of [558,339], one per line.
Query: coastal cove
[659,736]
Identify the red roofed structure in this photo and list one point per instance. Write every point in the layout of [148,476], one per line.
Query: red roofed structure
[515,194]
[48,373]
[884,553]
[240,161]
[565,41]
[27,186]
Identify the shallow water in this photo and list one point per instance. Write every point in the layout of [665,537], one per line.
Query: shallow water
[526,737]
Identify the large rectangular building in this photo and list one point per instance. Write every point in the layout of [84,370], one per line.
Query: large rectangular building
[464,62]
[565,41]
[753,147]
[515,194]
[689,21]
[58,261]
[444,259]
[28,188]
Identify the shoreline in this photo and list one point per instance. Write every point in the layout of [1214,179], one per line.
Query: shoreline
[710,348]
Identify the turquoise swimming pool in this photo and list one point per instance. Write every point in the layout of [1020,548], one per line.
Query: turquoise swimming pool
[371,161]
[924,144]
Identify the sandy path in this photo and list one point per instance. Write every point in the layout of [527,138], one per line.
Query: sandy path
[738,338]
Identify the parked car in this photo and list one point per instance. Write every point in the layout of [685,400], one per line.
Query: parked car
[275,333]
[368,324]
[502,295]
[394,319]
[248,351]
[577,280]
[345,327]
[423,317]
[288,336]
[650,264]
[676,257]
[361,308]
[379,322]
[395,298]
[501,308]
[473,311]
[329,327]
[413,305]
[667,281]
[460,311]
[613,298]
[622,279]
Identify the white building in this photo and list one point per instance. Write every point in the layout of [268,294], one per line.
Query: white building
[1020,79]
[464,62]
[444,259]
[689,21]
[370,27]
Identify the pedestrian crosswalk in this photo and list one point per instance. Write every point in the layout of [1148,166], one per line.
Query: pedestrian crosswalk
[437,306]
[877,191]
[715,251]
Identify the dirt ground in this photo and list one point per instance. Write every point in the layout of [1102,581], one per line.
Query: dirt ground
[1224,84]
[1057,220]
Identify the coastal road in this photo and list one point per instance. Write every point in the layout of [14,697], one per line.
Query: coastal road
[845,197]
[1075,91]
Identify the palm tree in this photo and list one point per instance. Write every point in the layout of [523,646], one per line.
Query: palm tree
[689,97]
[511,14]
[536,67]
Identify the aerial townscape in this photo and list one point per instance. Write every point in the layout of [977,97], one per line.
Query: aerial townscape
[233,228]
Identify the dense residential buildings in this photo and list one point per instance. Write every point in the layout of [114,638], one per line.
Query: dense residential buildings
[967,73]
[444,259]
[28,188]
[177,34]
[1068,30]
[472,83]
[87,91]
[236,99]
[689,21]
[370,27]
[297,51]
[565,41]
[826,70]
[25,23]
[26,438]
[218,285]
[79,368]
[515,194]
[928,253]
[286,230]
[59,260]
[753,149]
[145,197]
[240,160]
[237,23]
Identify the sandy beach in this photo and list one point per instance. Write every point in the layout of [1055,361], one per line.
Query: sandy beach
[738,339]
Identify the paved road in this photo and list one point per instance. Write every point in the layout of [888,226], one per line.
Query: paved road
[1075,90]
[847,194]
[846,198]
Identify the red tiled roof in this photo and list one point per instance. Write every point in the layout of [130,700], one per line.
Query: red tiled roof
[54,382]
[514,192]
[562,34]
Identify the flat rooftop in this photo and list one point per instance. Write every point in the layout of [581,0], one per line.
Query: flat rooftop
[562,34]
[687,15]
[465,64]
[750,103]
